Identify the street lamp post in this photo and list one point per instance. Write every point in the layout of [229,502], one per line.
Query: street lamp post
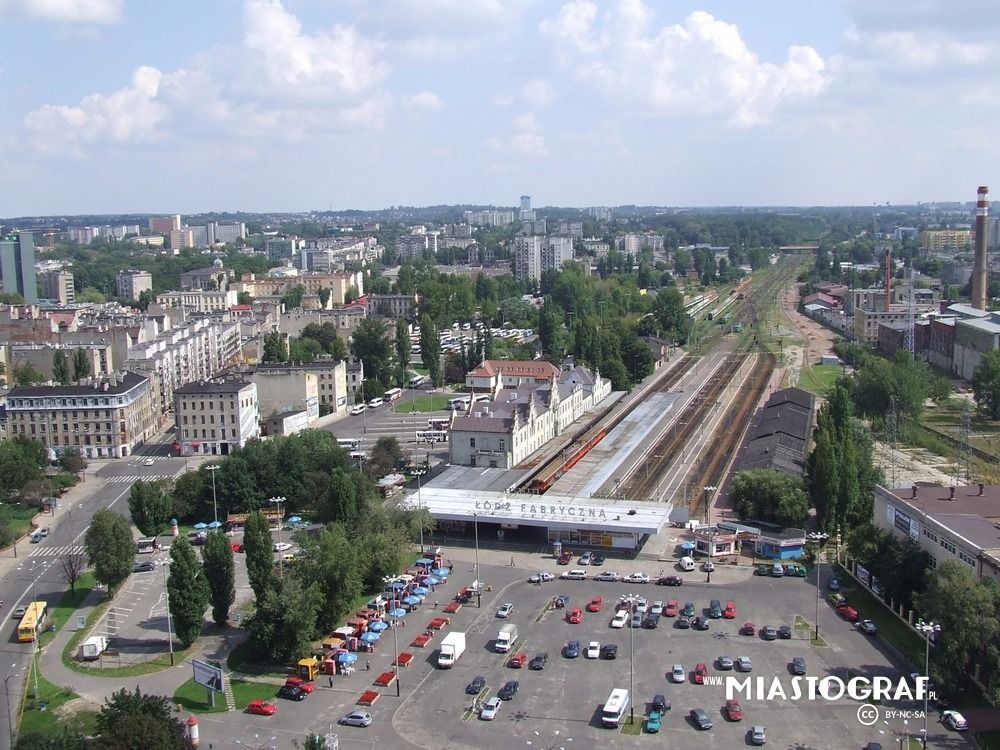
[6,692]
[631,663]
[281,517]
[927,628]
[709,492]
[166,590]
[819,539]
[479,583]
[395,652]
[215,506]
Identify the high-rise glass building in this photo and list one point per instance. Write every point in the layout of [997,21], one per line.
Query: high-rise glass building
[17,266]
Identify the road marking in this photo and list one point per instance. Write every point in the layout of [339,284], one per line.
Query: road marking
[65,549]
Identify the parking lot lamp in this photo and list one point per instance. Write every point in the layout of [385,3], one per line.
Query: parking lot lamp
[479,583]
[215,505]
[277,501]
[927,628]
[631,663]
[166,591]
[395,652]
[709,493]
[6,692]
[819,539]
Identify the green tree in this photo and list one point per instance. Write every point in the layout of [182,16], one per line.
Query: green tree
[769,495]
[275,348]
[386,455]
[402,349]
[91,295]
[134,721]
[188,591]
[965,607]
[986,384]
[550,331]
[293,297]
[312,742]
[370,344]
[26,374]
[671,318]
[324,296]
[188,496]
[259,552]
[150,506]
[330,566]
[71,461]
[21,463]
[244,298]
[64,738]
[81,364]
[220,571]
[110,549]
[430,349]
[145,299]
[60,367]
[284,623]
[342,499]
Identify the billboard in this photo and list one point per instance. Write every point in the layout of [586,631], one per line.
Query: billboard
[207,675]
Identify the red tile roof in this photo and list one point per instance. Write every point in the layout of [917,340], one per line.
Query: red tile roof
[538,369]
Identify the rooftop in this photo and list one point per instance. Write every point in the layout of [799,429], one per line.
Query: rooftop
[211,386]
[127,382]
[936,499]
[538,369]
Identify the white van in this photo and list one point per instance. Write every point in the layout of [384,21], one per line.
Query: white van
[374,403]
[686,563]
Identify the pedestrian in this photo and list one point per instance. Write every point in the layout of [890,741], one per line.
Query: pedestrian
[368,666]
[331,680]
[512,561]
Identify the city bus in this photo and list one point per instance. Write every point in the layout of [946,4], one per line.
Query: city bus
[432,436]
[614,710]
[145,546]
[438,424]
[32,623]
[393,394]
[459,404]
[417,381]
[359,456]
[349,444]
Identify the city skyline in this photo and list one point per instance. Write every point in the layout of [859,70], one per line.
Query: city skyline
[115,106]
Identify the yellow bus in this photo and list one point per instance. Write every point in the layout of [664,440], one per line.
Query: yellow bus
[32,623]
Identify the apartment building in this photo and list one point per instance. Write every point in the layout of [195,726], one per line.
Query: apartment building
[939,240]
[199,300]
[535,254]
[101,417]
[393,305]
[275,286]
[132,283]
[58,286]
[313,385]
[215,417]
[213,277]
[279,250]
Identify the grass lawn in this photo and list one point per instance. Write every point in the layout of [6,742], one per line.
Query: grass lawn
[20,519]
[35,721]
[819,379]
[194,697]
[61,613]
[635,728]
[429,402]
[890,627]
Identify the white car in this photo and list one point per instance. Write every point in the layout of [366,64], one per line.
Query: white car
[357,409]
[656,609]
[636,578]
[641,607]
[575,575]
[620,618]
[955,720]
[541,577]
[490,709]
[708,566]
[607,575]
[148,462]
[677,674]
[504,612]
[593,650]
[282,546]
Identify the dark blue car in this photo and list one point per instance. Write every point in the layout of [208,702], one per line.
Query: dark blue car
[572,649]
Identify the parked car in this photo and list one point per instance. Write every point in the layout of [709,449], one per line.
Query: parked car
[660,703]
[636,620]
[298,682]
[708,566]
[571,650]
[476,686]
[734,711]
[575,575]
[653,722]
[597,559]
[282,546]
[508,691]
[724,663]
[505,610]
[688,609]
[541,577]
[833,584]
[848,612]
[730,611]
[670,581]
[671,607]
[262,708]
[651,621]
[868,627]
[539,662]
[609,651]
[758,735]
[593,650]
[292,693]
[700,718]
[607,575]
[682,623]
[700,623]
[798,665]
[636,578]
[656,609]
[677,673]
[743,664]
[490,709]
[356,719]
[748,628]
[785,632]
[560,601]
[594,605]
[769,633]
[574,616]
[565,558]
[954,720]
[517,660]
[619,620]
[715,609]
[700,670]
[585,559]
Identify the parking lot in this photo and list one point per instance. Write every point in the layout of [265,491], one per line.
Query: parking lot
[562,703]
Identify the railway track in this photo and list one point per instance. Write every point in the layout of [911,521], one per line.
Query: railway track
[641,484]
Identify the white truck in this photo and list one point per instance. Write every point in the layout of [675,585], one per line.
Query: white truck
[506,638]
[92,648]
[452,648]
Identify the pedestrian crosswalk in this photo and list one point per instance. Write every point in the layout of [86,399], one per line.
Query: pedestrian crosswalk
[136,477]
[59,551]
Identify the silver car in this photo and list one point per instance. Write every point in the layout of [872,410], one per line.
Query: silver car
[357,719]
[490,709]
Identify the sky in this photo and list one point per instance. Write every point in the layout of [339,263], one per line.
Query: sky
[191,106]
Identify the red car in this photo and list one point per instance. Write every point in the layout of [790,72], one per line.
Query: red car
[565,557]
[237,546]
[671,609]
[730,611]
[734,711]
[848,612]
[262,708]
[518,660]
[748,629]
[575,616]
[595,604]
[700,670]
[307,687]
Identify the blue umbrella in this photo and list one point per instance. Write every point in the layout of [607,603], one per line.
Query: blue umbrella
[347,658]
[200,525]
[369,637]
[425,561]
[421,591]
[215,524]
[396,586]
[688,546]
[295,519]
[378,626]
[442,572]
[411,600]
[396,612]
[432,581]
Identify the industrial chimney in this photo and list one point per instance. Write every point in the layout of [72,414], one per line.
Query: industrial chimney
[980,269]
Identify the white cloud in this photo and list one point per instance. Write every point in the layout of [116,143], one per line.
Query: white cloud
[527,122]
[527,139]
[132,113]
[64,11]
[701,68]
[538,93]
[424,100]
